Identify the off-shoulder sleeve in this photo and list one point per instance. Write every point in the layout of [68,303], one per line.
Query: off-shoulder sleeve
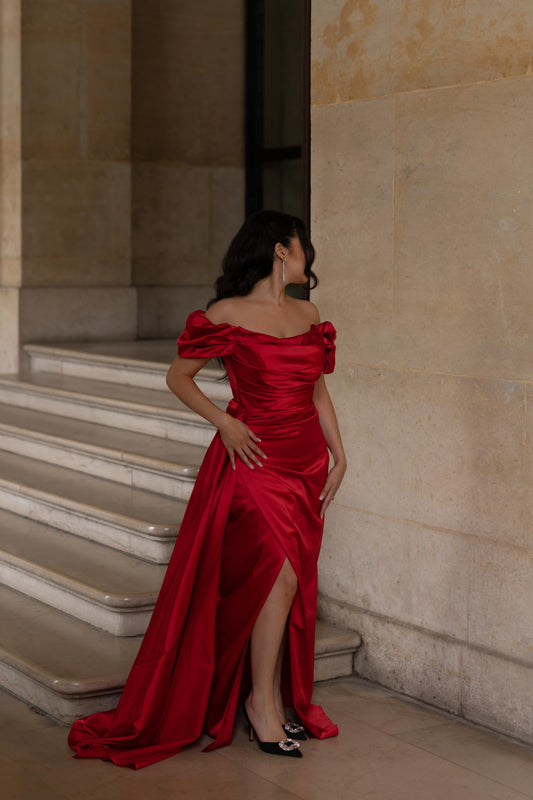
[329,333]
[203,339]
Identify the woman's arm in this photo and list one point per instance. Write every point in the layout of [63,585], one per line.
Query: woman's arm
[330,428]
[236,436]
[180,381]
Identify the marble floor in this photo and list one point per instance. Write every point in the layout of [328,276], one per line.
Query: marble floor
[389,748]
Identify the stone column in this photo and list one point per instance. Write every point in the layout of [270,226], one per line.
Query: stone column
[10,185]
[422,211]
[66,174]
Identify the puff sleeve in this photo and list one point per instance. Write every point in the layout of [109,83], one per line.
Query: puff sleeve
[203,339]
[329,333]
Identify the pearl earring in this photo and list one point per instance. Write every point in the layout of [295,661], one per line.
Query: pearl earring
[283,272]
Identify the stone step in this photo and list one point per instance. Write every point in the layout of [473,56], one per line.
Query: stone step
[68,669]
[148,411]
[141,523]
[103,587]
[58,664]
[143,364]
[135,459]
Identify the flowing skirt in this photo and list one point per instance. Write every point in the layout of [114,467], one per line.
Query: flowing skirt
[192,669]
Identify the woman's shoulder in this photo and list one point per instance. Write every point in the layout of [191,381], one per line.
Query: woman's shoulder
[221,310]
[307,309]
[229,310]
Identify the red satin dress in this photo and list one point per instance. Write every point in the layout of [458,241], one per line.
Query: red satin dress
[240,525]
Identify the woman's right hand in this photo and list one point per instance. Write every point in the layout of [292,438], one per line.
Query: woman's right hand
[238,438]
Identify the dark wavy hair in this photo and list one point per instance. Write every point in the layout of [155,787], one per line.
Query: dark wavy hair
[250,256]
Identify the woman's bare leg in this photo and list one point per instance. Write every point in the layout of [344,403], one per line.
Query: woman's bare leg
[278,699]
[266,639]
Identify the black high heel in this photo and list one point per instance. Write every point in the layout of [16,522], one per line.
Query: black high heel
[295,730]
[286,747]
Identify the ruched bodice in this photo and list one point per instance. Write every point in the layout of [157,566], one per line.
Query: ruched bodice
[239,527]
[268,375]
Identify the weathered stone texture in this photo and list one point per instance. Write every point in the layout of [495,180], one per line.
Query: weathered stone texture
[369,48]
[422,213]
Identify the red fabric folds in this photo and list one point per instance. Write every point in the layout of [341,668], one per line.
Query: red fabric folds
[239,527]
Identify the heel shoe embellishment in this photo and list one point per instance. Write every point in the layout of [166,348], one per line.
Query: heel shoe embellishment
[295,730]
[285,744]
[286,747]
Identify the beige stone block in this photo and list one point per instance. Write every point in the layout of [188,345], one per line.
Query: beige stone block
[10,271]
[10,150]
[438,44]
[409,573]
[9,327]
[500,599]
[350,50]
[463,295]
[368,48]
[188,83]
[10,208]
[498,693]
[108,54]
[52,65]
[10,19]
[171,225]
[439,450]
[10,76]
[351,222]
[84,314]
[76,223]
[404,658]
[163,310]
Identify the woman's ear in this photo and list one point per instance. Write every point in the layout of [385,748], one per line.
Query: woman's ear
[280,251]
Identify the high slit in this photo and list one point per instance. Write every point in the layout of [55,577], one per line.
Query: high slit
[239,527]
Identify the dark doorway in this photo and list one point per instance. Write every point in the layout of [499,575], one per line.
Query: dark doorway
[277,106]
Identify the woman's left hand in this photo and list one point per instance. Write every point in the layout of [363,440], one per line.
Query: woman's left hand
[333,481]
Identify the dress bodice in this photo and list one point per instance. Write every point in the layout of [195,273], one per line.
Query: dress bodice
[267,374]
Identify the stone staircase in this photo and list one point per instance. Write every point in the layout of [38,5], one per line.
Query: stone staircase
[97,461]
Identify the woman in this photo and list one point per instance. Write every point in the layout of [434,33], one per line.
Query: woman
[241,583]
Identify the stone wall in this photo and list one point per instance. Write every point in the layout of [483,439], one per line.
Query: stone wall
[422,211]
[76,173]
[188,153]
[121,164]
